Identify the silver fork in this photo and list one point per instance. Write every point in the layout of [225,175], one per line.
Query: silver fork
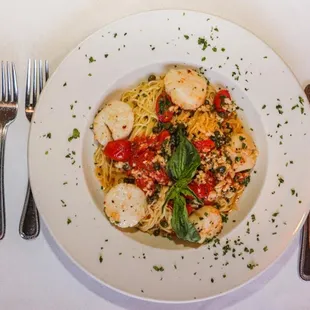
[29,226]
[8,112]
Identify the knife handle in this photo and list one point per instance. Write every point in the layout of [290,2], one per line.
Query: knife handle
[304,265]
[29,226]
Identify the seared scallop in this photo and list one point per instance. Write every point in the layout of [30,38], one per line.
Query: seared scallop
[101,131]
[207,221]
[125,205]
[242,152]
[119,118]
[186,88]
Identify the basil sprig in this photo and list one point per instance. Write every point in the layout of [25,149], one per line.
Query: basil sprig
[182,167]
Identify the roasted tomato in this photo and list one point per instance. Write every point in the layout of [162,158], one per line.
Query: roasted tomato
[189,209]
[219,100]
[162,137]
[119,150]
[144,167]
[203,190]
[204,145]
[162,108]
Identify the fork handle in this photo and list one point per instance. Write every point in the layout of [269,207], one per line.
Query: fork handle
[29,226]
[3,131]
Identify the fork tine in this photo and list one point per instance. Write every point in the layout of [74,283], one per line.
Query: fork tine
[3,84]
[34,84]
[28,81]
[40,76]
[9,83]
[15,87]
[47,73]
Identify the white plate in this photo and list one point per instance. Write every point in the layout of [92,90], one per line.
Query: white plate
[270,213]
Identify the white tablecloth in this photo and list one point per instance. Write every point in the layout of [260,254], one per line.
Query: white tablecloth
[36,274]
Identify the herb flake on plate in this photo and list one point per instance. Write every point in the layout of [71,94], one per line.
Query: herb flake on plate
[158,268]
[75,135]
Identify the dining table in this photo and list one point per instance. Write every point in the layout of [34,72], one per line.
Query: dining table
[37,274]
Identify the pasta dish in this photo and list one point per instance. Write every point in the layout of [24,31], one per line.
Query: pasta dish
[173,158]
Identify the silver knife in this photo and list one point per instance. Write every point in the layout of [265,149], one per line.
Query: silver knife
[304,265]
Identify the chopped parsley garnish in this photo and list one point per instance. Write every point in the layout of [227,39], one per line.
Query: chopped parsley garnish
[49,135]
[158,268]
[293,191]
[251,266]
[281,180]
[46,152]
[265,248]
[203,58]
[245,181]
[186,36]
[202,41]
[279,108]
[223,49]
[253,217]
[91,59]
[100,259]
[69,221]
[106,55]
[275,214]
[264,106]
[238,69]
[218,139]
[65,84]
[214,49]
[224,217]
[75,135]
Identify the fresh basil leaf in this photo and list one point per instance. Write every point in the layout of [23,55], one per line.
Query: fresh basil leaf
[180,223]
[184,161]
[188,192]
[170,195]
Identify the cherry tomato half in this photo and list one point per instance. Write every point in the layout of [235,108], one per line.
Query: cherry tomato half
[203,190]
[163,104]
[189,209]
[118,150]
[204,145]
[163,136]
[219,98]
